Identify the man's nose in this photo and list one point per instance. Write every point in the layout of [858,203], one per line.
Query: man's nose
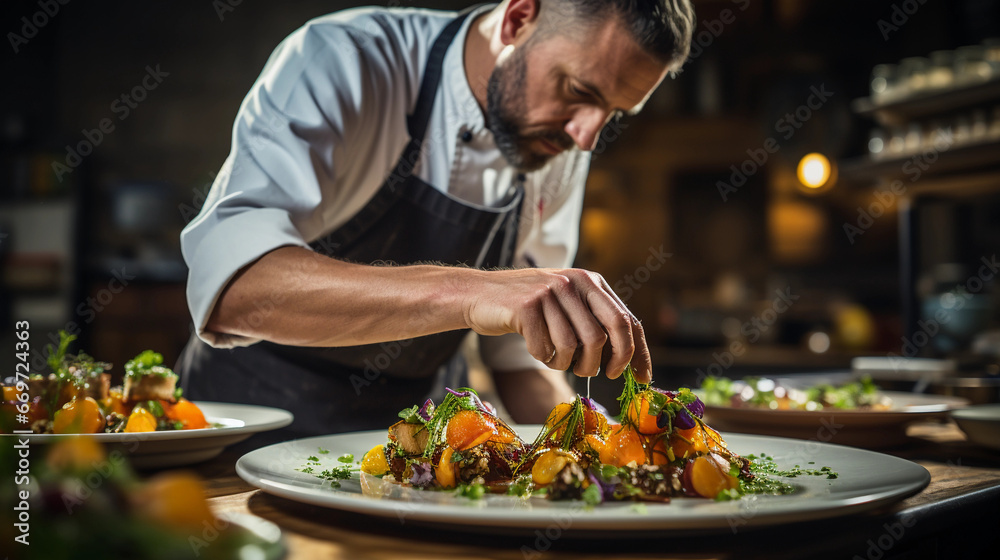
[585,126]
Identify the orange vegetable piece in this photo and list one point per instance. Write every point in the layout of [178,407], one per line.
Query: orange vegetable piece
[688,443]
[187,413]
[175,499]
[141,420]
[80,416]
[504,434]
[624,445]
[445,471]
[10,393]
[115,402]
[594,422]
[659,454]
[547,466]
[468,428]
[710,475]
[640,416]
[714,439]
[558,413]
[75,454]
[596,443]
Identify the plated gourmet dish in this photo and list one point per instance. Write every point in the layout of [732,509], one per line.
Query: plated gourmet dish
[660,449]
[77,397]
[764,393]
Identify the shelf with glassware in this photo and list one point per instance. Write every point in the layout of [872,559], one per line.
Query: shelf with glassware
[936,146]
[936,115]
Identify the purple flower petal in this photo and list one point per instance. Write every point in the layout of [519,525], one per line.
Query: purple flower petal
[424,411]
[683,420]
[696,408]
[422,475]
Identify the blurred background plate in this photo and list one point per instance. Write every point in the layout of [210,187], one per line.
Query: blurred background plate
[184,447]
[981,423]
[862,428]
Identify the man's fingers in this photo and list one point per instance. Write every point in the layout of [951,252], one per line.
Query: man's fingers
[642,363]
[535,331]
[607,289]
[589,333]
[561,333]
[618,325]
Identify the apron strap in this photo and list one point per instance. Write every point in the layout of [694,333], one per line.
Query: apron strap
[416,124]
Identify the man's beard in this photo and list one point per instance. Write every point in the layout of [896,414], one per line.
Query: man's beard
[505,99]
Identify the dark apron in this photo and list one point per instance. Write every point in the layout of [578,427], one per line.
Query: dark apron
[364,387]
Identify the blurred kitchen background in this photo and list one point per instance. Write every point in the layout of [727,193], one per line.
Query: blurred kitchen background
[881,245]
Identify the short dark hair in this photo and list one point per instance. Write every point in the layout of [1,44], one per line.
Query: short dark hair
[662,28]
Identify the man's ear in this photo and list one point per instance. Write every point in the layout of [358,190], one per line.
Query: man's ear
[519,21]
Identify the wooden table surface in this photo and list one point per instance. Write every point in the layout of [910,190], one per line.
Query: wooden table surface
[956,516]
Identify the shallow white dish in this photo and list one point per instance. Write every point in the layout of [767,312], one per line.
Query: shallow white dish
[980,423]
[866,428]
[184,447]
[867,480]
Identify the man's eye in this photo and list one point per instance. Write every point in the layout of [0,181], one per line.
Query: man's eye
[577,91]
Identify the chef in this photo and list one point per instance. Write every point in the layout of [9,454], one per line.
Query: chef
[399,177]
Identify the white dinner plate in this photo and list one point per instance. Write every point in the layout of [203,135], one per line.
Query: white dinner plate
[864,428]
[981,424]
[866,480]
[183,447]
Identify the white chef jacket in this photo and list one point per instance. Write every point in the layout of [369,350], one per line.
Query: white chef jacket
[320,131]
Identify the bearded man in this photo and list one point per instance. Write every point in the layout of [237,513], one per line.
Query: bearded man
[401,176]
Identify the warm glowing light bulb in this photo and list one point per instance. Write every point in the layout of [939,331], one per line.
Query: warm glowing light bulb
[814,170]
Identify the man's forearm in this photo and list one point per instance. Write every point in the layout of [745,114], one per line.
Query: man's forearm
[297,297]
[567,316]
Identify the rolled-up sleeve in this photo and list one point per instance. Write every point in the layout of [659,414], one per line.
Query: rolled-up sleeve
[284,163]
[551,242]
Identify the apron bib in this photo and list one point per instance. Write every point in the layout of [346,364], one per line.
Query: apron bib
[364,387]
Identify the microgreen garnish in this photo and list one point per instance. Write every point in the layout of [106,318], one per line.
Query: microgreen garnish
[592,495]
[521,486]
[630,395]
[473,491]
[333,474]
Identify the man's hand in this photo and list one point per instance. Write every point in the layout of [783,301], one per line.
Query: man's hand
[568,317]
